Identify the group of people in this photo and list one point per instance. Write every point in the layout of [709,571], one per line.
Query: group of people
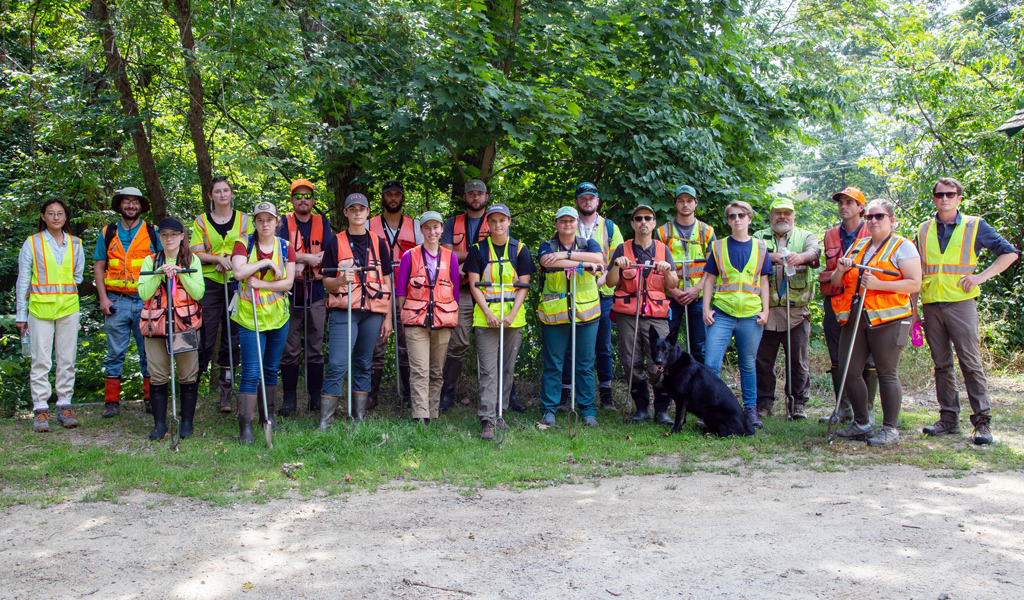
[268,285]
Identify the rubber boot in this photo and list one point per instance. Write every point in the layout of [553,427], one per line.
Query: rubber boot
[328,404]
[661,402]
[375,376]
[315,372]
[642,399]
[158,398]
[403,374]
[871,378]
[112,398]
[227,385]
[289,381]
[189,398]
[607,398]
[845,409]
[246,413]
[451,373]
[146,404]
[513,400]
[563,401]
[359,400]
[271,404]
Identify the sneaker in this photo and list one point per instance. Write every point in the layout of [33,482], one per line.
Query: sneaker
[752,411]
[42,421]
[590,421]
[111,409]
[982,434]
[549,420]
[854,431]
[66,417]
[941,427]
[886,436]
[607,398]
[487,431]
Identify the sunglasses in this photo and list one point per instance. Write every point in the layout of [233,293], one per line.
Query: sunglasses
[736,216]
[949,195]
[876,217]
[308,196]
[642,218]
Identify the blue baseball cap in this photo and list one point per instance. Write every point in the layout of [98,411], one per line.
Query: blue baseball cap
[499,209]
[586,188]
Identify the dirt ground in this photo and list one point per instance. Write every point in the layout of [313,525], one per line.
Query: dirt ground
[886,532]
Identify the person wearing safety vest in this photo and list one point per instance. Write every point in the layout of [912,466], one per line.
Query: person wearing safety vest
[645,289]
[500,259]
[460,233]
[370,302]
[401,233]
[790,248]
[838,240]
[191,287]
[306,233]
[564,258]
[689,240]
[51,264]
[949,245]
[117,260]
[265,263]
[738,269]
[213,238]
[427,292]
[592,226]
[885,320]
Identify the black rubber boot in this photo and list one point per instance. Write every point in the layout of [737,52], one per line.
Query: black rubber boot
[158,398]
[642,399]
[189,398]
[315,372]
[607,398]
[290,384]
[661,402]
[452,371]
[563,402]
[403,373]
[375,376]
[513,401]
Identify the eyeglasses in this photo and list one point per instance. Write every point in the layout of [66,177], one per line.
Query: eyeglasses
[876,217]
[949,195]
[736,216]
[308,196]
[55,215]
[642,218]
[131,201]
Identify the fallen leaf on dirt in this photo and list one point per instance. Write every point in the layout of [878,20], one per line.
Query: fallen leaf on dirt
[246,586]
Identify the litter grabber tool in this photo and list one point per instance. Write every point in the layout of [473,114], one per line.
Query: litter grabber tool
[267,427]
[640,293]
[348,349]
[684,267]
[572,274]
[306,304]
[227,329]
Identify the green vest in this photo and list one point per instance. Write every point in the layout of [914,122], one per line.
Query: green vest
[272,308]
[52,291]
[694,249]
[205,238]
[494,294]
[556,295]
[942,271]
[738,293]
[801,285]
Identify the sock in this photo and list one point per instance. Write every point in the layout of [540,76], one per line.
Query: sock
[40,406]
[63,402]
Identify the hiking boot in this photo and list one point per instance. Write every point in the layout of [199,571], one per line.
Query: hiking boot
[111,409]
[487,431]
[66,417]
[42,420]
[513,401]
[752,411]
[799,412]
[854,431]
[548,419]
[886,436]
[982,434]
[590,421]
[764,413]
[501,425]
[607,398]
[942,427]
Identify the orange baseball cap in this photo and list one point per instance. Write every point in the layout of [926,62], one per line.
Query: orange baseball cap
[851,192]
[301,182]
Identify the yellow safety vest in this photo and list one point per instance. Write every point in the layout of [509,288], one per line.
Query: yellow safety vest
[694,249]
[738,293]
[556,295]
[942,271]
[272,308]
[494,294]
[52,292]
[205,238]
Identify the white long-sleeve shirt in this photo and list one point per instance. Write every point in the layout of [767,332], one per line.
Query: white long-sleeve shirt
[25,268]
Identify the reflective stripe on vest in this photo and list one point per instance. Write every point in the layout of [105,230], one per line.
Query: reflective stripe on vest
[404,241]
[52,290]
[738,293]
[498,272]
[430,303]
[880,307]
[271,307]
[556,295]
[123,268]
[943,270]
[313,245]
[211,241]
[368,292]
[683,250]
[654,303]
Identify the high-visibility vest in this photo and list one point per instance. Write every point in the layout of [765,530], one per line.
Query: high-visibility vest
[556,293]
[880,307]
[942,271]
[430,303]
[368,291]
[801,284]
[833,252]
[205,238]
[654,303]
[737,292]
[682,250]
[123,267]
[495,273]
[404,241]
[272,307]
[459,241]
[604,234]
[188,314]
[313,245]
[52,292]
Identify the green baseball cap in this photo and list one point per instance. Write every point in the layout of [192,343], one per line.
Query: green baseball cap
[685,189]
[782,204]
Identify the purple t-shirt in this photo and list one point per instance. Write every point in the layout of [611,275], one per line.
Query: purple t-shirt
[405,267]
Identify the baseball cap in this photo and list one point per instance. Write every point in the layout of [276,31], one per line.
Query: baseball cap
[640,207]
[394,184]
[685,189]
[782,204]
[264,207]
[568,211]
[475,185]
[300,183]
[500,209]
[431,215]
[170,224]
[586,188]
[851,192]
[354,199]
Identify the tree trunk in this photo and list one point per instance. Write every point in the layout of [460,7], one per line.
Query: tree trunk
[204,164]
[133,123]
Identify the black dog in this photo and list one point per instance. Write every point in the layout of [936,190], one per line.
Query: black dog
[696,389]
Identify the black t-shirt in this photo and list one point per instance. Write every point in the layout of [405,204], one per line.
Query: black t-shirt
[478,258]
[360,252]
[305,232]
[222,228]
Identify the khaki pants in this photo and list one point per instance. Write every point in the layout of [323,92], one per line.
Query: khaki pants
[459,342]
[186,364]
[427,349]
[60,337]
[487,346]
[956,326]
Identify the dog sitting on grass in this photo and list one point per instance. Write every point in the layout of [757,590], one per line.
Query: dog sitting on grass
[695,389]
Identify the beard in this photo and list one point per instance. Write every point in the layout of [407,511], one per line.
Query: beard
[393,209]
[782,228]
[586,212]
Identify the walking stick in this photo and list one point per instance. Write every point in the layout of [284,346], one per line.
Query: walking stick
[263,379]
[573,274]
[642,276]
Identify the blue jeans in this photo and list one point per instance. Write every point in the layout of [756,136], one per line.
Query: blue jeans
[121,326]
[557,340]
[695,317]
[365,331]
[603,354]
[748,338]
[272,343]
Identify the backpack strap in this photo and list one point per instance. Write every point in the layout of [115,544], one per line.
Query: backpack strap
[108,234]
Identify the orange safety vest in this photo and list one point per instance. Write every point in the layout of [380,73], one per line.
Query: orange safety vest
[430,304]
[123,267]
[404,241]
[654,302]
[188,314]
[311,246]
[881,307]
[369,292]
[833,252]
[459,233]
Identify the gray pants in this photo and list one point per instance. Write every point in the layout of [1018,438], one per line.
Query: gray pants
[459,342]
[314,345]
[801,366]
[641,362]
[956,326]
[884,344]
[487,342]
